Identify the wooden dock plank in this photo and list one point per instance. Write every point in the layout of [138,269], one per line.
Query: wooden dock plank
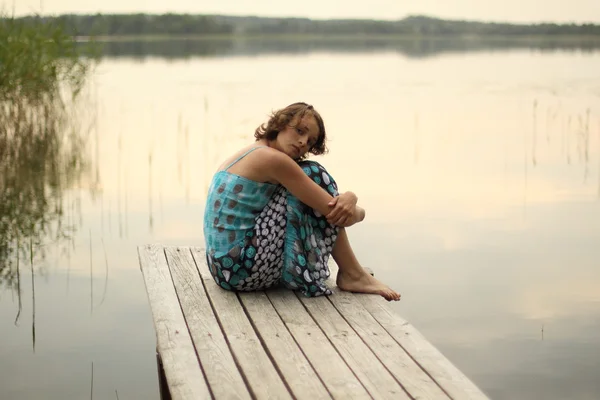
[449,378]
[396,360]
[219,344]
[454,382]
[293,365]
[251,357]
[376,378]
[182,369]
[333,370]
[223,376]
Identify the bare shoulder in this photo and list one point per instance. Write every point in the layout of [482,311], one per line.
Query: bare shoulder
[268,158]
[251,159]
[275,166]
[258,163]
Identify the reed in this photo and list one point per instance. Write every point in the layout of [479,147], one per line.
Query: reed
[39,60]
[42,73]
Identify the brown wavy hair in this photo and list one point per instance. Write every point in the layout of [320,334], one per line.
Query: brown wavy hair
[280,119]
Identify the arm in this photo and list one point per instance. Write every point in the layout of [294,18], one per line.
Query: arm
[282,169]
[345,212]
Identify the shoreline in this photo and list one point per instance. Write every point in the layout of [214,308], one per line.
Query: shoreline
[562,38]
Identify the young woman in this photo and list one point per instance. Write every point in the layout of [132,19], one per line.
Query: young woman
[273,218]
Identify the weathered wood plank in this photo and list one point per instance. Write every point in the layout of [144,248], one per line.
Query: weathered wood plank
[396,360]
[369,370]
[223,376]
[251,357]
[182,369]
[357,348]
[454,382]
[450,378]
[333,370]
[297,371]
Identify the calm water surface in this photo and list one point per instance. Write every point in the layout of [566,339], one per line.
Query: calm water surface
[479,171]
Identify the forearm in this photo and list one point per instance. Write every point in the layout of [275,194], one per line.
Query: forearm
[283,170]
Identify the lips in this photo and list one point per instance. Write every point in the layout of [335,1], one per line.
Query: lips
[297,149]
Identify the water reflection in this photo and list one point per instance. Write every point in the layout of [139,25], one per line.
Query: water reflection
[463,149]
[176,48]
[576,138]
[41,157]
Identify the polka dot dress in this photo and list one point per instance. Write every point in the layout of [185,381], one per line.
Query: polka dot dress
[282,242]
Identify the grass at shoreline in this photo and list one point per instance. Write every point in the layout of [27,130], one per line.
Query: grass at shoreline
[38,60]
[42,72]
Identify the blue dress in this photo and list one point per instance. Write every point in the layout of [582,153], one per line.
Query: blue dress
[258,235]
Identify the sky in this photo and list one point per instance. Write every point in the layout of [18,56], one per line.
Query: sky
[519,11]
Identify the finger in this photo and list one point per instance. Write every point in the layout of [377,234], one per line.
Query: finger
[336,212]
[340,221]
[332,216]
[345,217]
[333,201]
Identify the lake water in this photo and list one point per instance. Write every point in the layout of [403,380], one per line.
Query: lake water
[478,165]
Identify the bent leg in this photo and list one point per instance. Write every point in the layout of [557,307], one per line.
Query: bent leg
[352,277]
[319,175]
[309,239]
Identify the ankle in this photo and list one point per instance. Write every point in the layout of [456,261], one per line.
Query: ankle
[353,273]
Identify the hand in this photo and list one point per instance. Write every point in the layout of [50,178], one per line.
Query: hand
[343,210]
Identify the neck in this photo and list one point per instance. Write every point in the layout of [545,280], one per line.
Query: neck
[264,142]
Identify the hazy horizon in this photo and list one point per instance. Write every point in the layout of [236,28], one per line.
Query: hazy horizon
[511,11]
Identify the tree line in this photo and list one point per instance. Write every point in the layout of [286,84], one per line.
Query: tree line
[187,24]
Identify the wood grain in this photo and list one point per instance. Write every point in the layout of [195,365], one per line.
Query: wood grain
[182,369]
[376,379]
[280,345]
[260,373]
[222,374]
[454,382]
[414,380]
[331,367]
[297,371]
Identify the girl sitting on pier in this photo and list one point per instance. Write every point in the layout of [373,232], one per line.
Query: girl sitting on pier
[273,218]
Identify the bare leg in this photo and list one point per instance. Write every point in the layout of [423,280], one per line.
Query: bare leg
[352,277]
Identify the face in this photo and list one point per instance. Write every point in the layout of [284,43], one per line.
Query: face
[298,137]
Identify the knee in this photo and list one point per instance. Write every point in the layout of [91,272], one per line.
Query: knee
[315,171]
[319,175]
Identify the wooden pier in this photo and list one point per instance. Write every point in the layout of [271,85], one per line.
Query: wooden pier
[216,344]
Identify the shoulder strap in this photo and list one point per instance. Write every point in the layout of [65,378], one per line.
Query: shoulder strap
[242,156]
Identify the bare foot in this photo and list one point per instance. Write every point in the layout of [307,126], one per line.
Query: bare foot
[365,284]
